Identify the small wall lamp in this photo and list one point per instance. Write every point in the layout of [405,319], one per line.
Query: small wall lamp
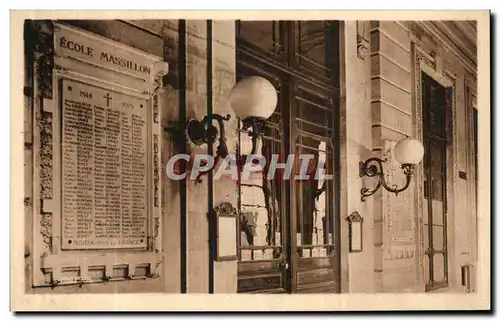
[407,152]
[253,100]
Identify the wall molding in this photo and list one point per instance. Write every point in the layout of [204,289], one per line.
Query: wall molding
[381,125]
[400,24]
[391,60]
[382,101]
[390,82]
[388,36]
[463,54]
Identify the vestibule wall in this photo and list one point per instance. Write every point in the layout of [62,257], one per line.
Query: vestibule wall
[379,106]
[382,96]
[186,264]
[391,104]
[400,51]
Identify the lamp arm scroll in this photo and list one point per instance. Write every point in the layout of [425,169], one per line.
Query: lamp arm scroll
[395,189]
[372,171]
[377,170]
[222,150]
[257,124]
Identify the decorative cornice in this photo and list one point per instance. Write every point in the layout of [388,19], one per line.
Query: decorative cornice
[468,28]
[460,37]
[451,41]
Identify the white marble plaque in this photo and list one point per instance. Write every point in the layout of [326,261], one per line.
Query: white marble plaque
[98,51]
[104,168]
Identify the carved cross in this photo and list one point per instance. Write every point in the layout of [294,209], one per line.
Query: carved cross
[108,97]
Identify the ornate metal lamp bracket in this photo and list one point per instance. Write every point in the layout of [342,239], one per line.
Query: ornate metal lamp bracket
[373,167]
[204,132]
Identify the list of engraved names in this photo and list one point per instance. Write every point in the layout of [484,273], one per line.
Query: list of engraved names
[104,190]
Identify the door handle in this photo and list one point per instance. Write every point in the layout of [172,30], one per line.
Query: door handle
[284,264]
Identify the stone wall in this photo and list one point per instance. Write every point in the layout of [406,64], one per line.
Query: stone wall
[445,61]
[397,47]
[391,105]
[377,110]
[356,143]
[161,37]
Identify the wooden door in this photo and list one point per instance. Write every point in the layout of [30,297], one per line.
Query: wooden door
[288,227]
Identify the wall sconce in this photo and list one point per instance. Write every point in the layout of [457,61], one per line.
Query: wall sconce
[407,152]
[253,100]
[204,132]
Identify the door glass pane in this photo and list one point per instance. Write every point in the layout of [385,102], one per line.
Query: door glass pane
[314,113]
[426,269]
[437,187]
[261,212]
[426,186]
[315,46]
[437,237]
[426,236]
[314,212]
[434,100]
[435,125]
[425,209]
[312,40]
[436,158]
[437,212]
[261,234]
[314,123]
[438,267]
[263,34]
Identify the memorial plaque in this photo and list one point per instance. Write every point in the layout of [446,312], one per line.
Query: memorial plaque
[104,168]
[401,218]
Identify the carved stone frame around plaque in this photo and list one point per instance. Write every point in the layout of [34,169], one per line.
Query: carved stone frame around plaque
[50,68]
[426,62]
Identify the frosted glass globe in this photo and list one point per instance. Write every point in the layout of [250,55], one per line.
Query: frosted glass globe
[409,151]
[253,97]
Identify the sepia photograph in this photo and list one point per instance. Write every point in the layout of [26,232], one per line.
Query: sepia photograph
[275,155]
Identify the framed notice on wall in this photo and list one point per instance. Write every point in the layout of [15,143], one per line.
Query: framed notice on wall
[226,227]
[355,221]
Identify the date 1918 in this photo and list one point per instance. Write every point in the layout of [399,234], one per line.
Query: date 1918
[77,279]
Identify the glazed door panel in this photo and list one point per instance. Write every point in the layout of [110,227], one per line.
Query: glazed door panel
[263,256]
[314,216]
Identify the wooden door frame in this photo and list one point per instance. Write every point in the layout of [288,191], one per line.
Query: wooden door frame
[424,62]
[289,213]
